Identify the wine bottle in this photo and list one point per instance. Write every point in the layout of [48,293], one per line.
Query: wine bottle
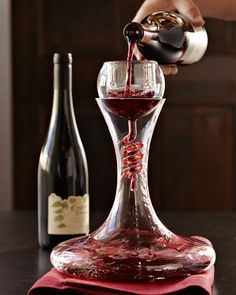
[168,37]
[63,200]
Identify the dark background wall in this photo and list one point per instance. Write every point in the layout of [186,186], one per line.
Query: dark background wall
[192,157]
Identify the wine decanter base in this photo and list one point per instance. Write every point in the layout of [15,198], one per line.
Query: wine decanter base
[132,255]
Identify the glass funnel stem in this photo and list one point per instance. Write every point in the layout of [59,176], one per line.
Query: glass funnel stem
[132,155]
[131,138]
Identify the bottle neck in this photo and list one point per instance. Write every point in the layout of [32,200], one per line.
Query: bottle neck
[62,77]
[172,36]
[136,33]
[62,93]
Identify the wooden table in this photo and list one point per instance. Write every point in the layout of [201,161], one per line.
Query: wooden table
[22,262]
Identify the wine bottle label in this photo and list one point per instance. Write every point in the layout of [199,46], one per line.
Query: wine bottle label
[68,216]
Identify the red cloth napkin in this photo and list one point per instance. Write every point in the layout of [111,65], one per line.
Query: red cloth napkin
[54,283]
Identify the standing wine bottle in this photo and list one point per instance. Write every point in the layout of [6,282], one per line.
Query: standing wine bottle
[63,201]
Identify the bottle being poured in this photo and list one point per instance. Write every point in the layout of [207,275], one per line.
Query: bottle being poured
[167,38]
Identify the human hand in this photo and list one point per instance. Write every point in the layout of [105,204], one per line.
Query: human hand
[185,7]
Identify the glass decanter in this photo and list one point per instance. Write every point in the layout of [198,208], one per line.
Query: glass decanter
[132,244]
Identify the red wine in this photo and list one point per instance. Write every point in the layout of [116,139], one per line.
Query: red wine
[133,93]
[131,47]
[131,108]
[62,171]
[126,259]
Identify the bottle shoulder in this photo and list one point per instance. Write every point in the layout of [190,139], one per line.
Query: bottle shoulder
[63,148]
[63,131]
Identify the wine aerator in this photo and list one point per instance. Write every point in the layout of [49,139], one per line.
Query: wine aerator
[132,244]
